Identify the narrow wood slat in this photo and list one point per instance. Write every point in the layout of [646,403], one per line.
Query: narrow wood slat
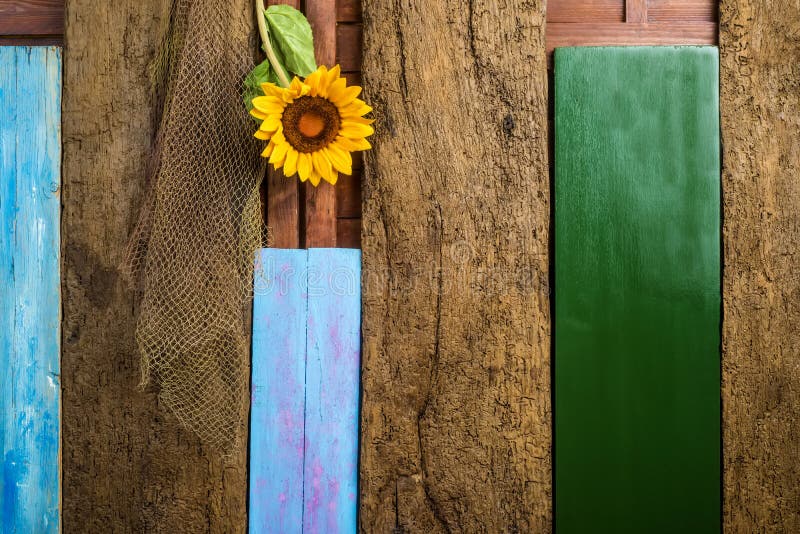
[348,10]
[610,34]
[682,10]
[30,288]
[348,233]
[348,47]
[32,17]
[348,196]
[283,195]
[277,410]
[585,11]
[332,390]
[31,40]
[353,78]
[320,207]
[635,11]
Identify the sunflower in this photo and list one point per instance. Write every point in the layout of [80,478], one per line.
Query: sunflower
[313,125]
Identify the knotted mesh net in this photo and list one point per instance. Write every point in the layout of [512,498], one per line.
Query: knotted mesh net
[192,251]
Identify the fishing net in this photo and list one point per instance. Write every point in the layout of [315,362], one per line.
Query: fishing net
[192,251]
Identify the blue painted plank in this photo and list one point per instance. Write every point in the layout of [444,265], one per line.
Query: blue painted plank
[332,390]
[278,388]
[30,305]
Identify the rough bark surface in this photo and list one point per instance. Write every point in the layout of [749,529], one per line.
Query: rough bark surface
[127,464]
[456,361]
[760,104]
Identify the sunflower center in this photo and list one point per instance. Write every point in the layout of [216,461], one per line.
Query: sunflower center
[311,123]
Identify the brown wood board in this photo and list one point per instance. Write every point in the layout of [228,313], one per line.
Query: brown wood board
[456,323]
[128,464]
[32,17]
[760,111]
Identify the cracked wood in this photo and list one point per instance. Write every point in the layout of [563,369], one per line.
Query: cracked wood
[456,352]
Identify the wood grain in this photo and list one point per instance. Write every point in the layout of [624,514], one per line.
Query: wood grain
[348,46]
[128,465]
[320,202]
[277,411]
[332,391]
[760,109]
[456,322]
[585,11]
[682,10]
[636,10]
[283,195]
[32,17]
[348,233]
[348,195]
[30,296]
[622,34]
[348,10]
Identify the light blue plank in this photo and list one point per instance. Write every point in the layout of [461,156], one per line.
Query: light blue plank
[332,390]
[30,306]
[278,387]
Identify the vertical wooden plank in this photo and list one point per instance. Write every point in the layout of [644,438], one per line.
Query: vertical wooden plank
[635,10]
[332,390]
[637,259]
[320,216]
[30,303]
[278,389]
[283,194]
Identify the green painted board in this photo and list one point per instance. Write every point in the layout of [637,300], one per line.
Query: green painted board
[637,290]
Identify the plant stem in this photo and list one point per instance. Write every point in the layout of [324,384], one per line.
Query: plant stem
[267,45]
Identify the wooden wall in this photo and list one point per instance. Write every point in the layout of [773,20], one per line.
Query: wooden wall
[31,22]
[760,105]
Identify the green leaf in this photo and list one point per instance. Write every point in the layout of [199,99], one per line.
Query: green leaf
[290,34]
[263,73]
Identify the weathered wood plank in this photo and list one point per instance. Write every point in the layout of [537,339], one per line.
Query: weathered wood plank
[348,233]
[635,11]
[348,46]
[585,10]
[129,466]
[682,10]
[320,206]
[332,390]
[348,10]
[456,322]
[760,108]
[30,294]
[615,34]
[348,195]
[280,314]
[637,274]
[283,194]
[32,17]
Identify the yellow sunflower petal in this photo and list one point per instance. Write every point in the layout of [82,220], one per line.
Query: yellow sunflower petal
[266,104]
[279,154]
[352,145]
[341,160]
[260,115]
[315,178]
[304,166]
[321,164]
[270,89]
[354,130]
[348,96]
[267,151]
[272,123]
[336,89]
[354,109]
[312,81]
[260,134]
[332,76]
[359,120]
[290,167]
[333,178]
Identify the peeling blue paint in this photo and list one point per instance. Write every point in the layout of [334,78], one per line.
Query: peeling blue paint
[30,302]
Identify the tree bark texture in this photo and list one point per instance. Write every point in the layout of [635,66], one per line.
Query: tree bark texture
[456,412]
[128,466]
[760,104]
